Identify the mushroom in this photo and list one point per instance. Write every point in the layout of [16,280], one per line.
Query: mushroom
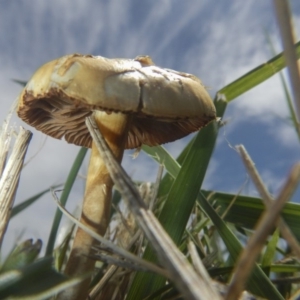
[133,102]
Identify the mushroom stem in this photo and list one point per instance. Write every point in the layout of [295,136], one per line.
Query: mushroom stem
[97,200]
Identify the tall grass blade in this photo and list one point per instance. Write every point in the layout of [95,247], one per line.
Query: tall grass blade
[180,200]
[246,210]
[20,207]
[163,157]
[256,76]
[63,199]
[284,20]
[287,94]
[270,252]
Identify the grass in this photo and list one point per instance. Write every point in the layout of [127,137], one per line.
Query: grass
[230,241]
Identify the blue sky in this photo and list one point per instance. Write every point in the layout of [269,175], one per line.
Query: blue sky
[217,41]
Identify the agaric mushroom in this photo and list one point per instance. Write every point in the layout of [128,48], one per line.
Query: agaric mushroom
[133,101]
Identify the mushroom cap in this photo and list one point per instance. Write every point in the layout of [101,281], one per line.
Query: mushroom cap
[165,104]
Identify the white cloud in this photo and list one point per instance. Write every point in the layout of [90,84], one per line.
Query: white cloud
[214,40]
[264,102]
[272,182]
[286,135]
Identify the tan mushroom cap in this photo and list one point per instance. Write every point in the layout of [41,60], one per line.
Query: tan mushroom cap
[165,105]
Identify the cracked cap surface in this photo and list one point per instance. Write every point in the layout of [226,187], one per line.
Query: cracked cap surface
[165,104]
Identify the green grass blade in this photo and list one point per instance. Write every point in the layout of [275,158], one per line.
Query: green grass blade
[290,105]
[167,180]
[144,284]
[275,268]
[255,76]
[270,252]
[35,281]
[63,199]
[288,268]
[172,166]
[246,210]
[286,92]
[183,193]
[178,206]
[20,207]
[116,198]
[258,282]
[163,157]
[22,255]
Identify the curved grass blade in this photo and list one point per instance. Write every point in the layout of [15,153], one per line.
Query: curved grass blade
[270,252]
[20,207]
[246,210]
[36,281]
[64,197]
[287,94]
[256,76]
[180,201]
[163,157]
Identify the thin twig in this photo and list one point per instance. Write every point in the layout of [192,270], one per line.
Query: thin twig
[233,200]
[110,246]
[268,199]
[111,270]
[119,262]
[199,267]
[181,272]
[105,278]
[256,242]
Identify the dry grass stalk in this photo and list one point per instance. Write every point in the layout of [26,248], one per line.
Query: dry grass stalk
[200,269]
[10,177]
[112,272]
[180,271]
[104,280]
[268,221]
[110,245]
[5,137]
[268,199]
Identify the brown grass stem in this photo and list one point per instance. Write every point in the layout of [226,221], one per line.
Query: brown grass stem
[267,199]
[256,242]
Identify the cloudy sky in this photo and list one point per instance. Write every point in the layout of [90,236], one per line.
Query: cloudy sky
[217,41]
